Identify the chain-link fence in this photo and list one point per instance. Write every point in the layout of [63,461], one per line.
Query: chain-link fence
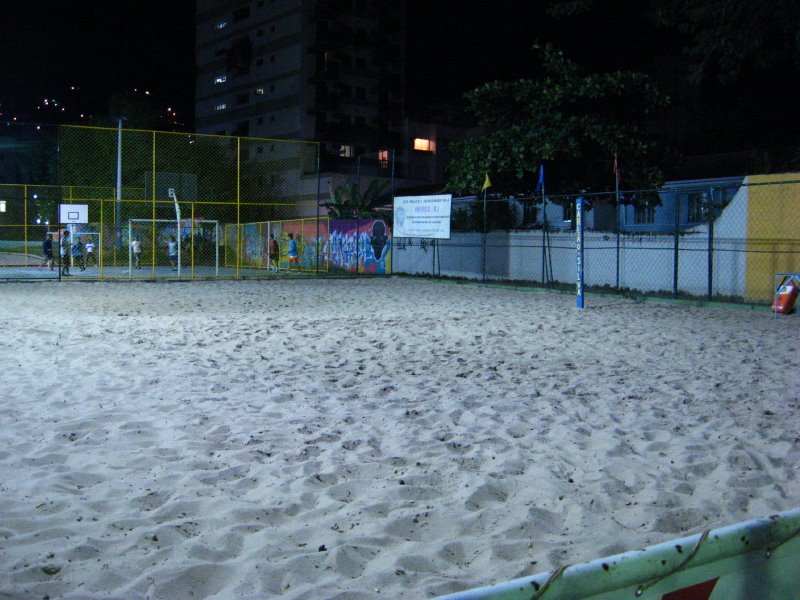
[726,240]
[200,206]
[156,204]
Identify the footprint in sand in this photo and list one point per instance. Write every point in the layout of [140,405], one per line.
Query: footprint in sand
[351,561]
[485,495]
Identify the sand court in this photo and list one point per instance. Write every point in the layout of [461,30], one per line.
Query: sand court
[383,438]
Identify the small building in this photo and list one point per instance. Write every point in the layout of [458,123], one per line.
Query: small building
[677,205]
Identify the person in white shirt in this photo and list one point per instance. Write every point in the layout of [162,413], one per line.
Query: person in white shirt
[136,248]
[172,250]
[88,247]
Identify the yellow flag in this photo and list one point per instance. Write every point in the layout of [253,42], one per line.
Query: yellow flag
[487,183]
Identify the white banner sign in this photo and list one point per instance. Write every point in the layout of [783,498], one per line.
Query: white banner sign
[422,216]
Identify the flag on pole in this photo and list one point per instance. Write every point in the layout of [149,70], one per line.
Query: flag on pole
[617,174]
[540,183]
[487,183]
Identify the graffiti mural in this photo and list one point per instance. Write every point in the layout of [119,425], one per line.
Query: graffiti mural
[360,246]
[312,239]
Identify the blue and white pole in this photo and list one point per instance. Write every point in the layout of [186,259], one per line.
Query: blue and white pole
[579,249]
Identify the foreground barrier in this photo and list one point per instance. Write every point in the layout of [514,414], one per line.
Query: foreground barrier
[753,559]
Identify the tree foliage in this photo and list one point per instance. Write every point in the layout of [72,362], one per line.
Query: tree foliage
[575,121]
[470,217]
[726,37]
[138,108]
[348,202]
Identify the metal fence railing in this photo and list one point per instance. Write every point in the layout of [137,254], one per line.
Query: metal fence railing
[183,205]
[156,203]
[700,241]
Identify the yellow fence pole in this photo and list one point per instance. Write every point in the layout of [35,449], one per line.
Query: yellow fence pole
[153,224]
[239,230]
[191,234]
[100,253]
[25,217]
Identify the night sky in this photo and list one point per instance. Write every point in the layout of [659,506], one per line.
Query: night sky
[46,47]
[103,48]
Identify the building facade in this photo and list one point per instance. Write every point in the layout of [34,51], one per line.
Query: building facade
[330,71]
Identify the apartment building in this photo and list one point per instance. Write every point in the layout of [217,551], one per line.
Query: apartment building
[331,71]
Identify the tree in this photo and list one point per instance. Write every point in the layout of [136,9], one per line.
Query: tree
[140,109]
[742,61]
[499,215]
[573,120]
[730,66]
[348,202]
[726,37]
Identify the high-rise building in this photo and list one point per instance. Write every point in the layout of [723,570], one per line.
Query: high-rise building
[330,71]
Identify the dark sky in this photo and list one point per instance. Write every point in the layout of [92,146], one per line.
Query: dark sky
[47,46]
[453,46]
[456,46]
[102,47]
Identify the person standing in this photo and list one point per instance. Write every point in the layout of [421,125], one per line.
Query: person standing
[293,255]
[47,250]
[172,250]
[136,248]
[89,247]
[77,253]
[274,253]
[66,255]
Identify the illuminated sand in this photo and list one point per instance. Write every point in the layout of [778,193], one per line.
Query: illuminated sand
[371,439]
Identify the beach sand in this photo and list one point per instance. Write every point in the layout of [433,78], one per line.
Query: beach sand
[382,438]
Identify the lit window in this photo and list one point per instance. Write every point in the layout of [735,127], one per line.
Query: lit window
[221,106]
[222,25]
[346,151]
[2,206]
[424,145]
[383,159]
[220,79]
[260,91]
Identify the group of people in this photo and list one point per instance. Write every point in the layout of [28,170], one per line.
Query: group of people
[172,252]
[82,254]
[275,253]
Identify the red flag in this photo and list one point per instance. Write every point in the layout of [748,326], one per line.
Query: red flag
[617,174]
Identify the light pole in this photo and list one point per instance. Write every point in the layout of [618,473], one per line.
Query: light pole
[118,206]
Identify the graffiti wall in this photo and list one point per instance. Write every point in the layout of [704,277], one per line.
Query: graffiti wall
[360,246]
[312,239]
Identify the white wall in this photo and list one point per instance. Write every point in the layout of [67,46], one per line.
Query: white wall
[646,261]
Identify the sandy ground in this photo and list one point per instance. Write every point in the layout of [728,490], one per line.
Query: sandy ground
[385,438]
